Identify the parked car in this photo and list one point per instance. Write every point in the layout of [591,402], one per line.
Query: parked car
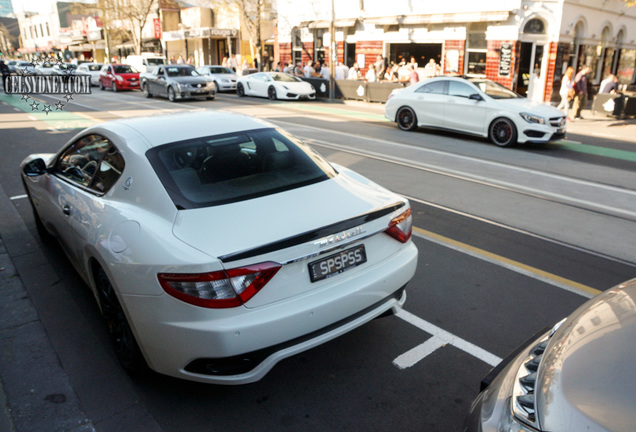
[45,68]
[275,85]
[177,82]
[145,62]
[475,106]
[579,376]
[224,78]
[93,69]
[22,67]
[118,77]
[175,223]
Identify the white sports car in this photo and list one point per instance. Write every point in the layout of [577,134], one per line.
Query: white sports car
[475,106]
[217,244]
[275,85]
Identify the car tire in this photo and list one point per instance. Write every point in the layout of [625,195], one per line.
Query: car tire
[119,331]
[240,91]
[271,93]
[101,86]
[210,98]
[114,87]
[44,235]
[406,119]
[172,96]
[216,87]
[146,89]
[502,132]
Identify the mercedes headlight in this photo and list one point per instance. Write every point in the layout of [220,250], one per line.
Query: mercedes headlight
[531,118]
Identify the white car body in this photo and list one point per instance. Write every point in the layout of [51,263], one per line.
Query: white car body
[275,85]
[224,78]
[91,69]
[143,237]
[471,110]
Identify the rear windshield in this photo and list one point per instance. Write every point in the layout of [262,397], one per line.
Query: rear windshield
[152,61]
[227,168]
[220,70]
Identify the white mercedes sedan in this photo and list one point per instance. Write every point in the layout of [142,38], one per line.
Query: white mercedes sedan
[475,106]
[275,85]
[216,244]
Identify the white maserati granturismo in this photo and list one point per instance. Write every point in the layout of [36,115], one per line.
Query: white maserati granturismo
[275,85]
[217,244]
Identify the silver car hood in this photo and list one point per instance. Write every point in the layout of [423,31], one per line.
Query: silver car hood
[587,379]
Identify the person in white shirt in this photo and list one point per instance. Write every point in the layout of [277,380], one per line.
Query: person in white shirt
[354,72]
[370,75]
[341,71]
[324,71]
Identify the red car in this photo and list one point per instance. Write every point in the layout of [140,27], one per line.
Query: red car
[118,77]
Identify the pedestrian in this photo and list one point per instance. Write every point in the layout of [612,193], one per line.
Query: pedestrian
[298,70]
[609,84]
[414,77]
[566,91]
[180,60]
[370,75]
[580,87]
[354,72]
[4,69]
[341,71]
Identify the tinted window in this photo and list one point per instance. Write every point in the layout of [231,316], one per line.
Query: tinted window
[152,61]
[220,70]
[460,89]
[124,69]
[175,71]
[94,67]
[92,162]
[437,87]
[495,90]
[233,167]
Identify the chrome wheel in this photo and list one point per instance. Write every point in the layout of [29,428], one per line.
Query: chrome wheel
[114,86]
[172,96]
[406,119]
[146,90]
[502,132]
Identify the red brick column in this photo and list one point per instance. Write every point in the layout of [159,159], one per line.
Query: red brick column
[549,79]
[492,63]
[285,52]
[370,49]
[454,45]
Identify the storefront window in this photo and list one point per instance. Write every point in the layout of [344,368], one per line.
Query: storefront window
[626,65]
[476,50]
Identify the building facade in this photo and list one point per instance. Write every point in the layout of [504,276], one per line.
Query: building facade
[525,45]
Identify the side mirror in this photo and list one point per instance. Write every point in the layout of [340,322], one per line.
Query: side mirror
[476,96]
[34,168]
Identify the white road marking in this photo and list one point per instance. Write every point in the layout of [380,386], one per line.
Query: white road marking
[17,197]
[439,339]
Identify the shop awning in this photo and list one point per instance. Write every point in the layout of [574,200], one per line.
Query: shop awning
[450,18]
[323,24]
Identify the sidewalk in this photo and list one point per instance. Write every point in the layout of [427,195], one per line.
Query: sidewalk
[35,392]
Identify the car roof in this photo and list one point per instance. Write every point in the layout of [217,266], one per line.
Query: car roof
[174,127]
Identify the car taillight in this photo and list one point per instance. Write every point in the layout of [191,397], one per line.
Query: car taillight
[401,226]
[220,289]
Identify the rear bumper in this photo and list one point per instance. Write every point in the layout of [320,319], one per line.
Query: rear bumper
[183,340]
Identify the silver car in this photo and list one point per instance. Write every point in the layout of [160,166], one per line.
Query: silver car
[177,82]
[579,376]
[224,78]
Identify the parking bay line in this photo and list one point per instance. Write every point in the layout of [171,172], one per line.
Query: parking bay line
[440,337]
[526,270]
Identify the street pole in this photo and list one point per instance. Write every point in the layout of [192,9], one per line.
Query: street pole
[333,52]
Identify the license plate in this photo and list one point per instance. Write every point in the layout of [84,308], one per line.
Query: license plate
[337,263]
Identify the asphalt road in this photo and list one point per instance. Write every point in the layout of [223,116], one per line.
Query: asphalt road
[510,241]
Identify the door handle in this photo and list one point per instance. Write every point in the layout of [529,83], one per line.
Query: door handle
[66,210]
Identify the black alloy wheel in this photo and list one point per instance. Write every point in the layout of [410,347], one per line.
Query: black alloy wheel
[502,132]
[271,93]
[406,119]
[119,331]
[240,91]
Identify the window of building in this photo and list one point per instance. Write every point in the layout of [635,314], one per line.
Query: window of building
[476,50]
[297,46]
[534,26]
